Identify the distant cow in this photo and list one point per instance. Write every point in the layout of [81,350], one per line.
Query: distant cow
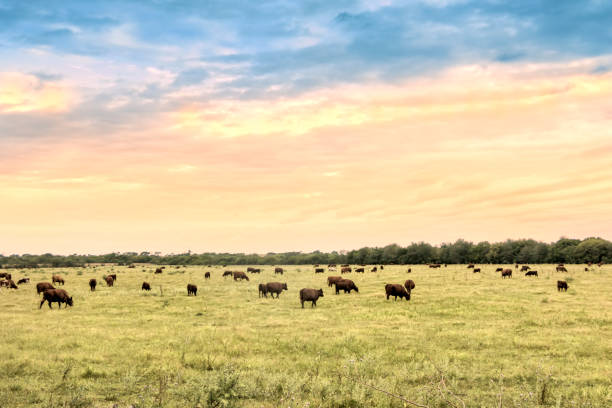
[23,280]
[525,268]
[499,269]
[344,266]
[374,269]
[409,270]
[435,266]
[92,284]
[476,270]
[396,290]
[57,279]
[600,264]
[10,284]
[331,280]
[145,286]
[255,270]
[192,290]
[346,285]
[319,270]
[6,275]
[207,275]
[532,273]
[310,295]
[506,273]
[114,276]
[42,286]
[159,270]
[279,271]
[345,269]
[586,269]
[109,280]
[561,269]
[331,265]
[250,269]
[240,275]
[470,266]
[562,285]
[360,270]
[409,285]
[275,287]
[263,290]
[382,267]
[228,273]
[56,295]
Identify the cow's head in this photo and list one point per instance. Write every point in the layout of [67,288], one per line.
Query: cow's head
[69,301]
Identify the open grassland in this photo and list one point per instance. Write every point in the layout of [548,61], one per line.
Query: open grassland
[463,338]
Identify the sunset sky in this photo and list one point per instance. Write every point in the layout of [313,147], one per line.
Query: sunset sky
[256,126]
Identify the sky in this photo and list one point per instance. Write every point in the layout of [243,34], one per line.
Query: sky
[256,126]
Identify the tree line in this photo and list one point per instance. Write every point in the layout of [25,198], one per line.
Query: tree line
[565,250]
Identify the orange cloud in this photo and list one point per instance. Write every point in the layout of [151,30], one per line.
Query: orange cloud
[26,93]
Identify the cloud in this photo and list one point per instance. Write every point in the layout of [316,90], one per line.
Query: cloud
[27,93]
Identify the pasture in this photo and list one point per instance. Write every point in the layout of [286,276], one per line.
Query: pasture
[464,339]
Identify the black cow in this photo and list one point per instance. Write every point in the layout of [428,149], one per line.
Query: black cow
[562,285]
[396,290]
[310,295]
[192,290]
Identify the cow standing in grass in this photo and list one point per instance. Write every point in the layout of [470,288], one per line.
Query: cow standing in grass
[192,290]
[310,295]
[346,285]
[92,284]
[275,287]
[562,286]
[56,295]
[396,290]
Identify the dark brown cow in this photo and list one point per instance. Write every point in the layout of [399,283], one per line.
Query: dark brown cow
[331,265]
[345,266]
[263,290]
[506,273]
[525,268]
[10,284]
[6,275]
[145,286]
[159,270]
[279,270]
[207,275]
[516,266]
[333,279]
[92,284]
[532,273]
[255,270]
[240,275]
[360,270]
[586,269]
[476,270]
[114,276]
[250,269]
[409,270]
[109,280]
[499,269]
[57,279]
[319,270]
[409,285]
[310,295]
[396,290]
[562,285]
[56,295]
[561,269]
[374,269]
[275,287]
[192,290]
[434,265]
[42,286]
[346,285]
[228,273]
[346,269]
[470,266]
[382,267]
[23,280]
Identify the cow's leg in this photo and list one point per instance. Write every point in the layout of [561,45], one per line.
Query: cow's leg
[41,303]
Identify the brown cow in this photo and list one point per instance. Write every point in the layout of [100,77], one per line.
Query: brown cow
[346,269]
[263,290]
[310,295]
[228,273]
[109,280]
[525,268]
[561,269]
[192,290]
[279,270]
[532,273]
[23,280]
[255,270]
[56,295]
[159,270]
[319,270]
[346,285]
[344,266]
[499,269]
[10,284]
[331,265]
[57,279]
[6,275]
[114,276]
[409,270]
[374,269]
[470,266]
[396,290]
[240,275]
[409,285]
[382,267]
[207,275]
[562,285]
[333,279]
[360,270]
[586,269]
[275,287]
[506,273]
[476,270]
[42,286]
[92,284]
[145,286]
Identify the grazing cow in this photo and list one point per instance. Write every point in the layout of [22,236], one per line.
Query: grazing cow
[561,269]
[263,290]
[10,284]
[331,280]
[114,276]
[310,295]
[331,265]
[279,271]
[499,269]
[344,266]
[250,269]
[240,275]
[346,285]
[42,286]
[316,265]
[409,285]
[470,266]
[23,280]
[192,290]
[374,269]
[207,275]
[319,270]
[57,279]
[346,269]
[396,290]
[409,270]
[506,273]
[360,270]
[561,264]
[92,284]
[6,275]
[56,295]
[435,266]
[275,287]
[255,270]
[532,273]
[159,270]
[525,268]
[228,273]
[562,285]
[476,270]
[109,280]
[131,266]
[145,286]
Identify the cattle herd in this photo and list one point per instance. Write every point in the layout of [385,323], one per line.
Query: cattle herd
[51,294]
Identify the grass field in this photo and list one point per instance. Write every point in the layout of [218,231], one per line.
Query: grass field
[464,339]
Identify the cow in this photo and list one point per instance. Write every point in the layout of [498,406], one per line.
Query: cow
[263,290]
[240,275]
[256,270]
[506,273]
[586,269]
[374,269]
[331,265]
[23,280]
[331,280]
[10,284]
[158,270]
[131,266]
[109,280]
[92,284]
[319,270]
[476,270]
[561,269]
[114,276]
[409,270]
[316,265]
[499,269]
[600,264]
[360,270]
[6,275]
[275,287]
[382,267]
[409,285]
[279,271]
[516,266]
[42,286]
[346,269]
[346,285]
[561,285]
[561,264]
[345,266]
[57,279]
[192,290]
[396,290]
[532,273]
[470,266]
[228,273]
[525,268]
[310,295]
[145,286]
[207,275]
[56,295]
[250,269]
[434,266]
